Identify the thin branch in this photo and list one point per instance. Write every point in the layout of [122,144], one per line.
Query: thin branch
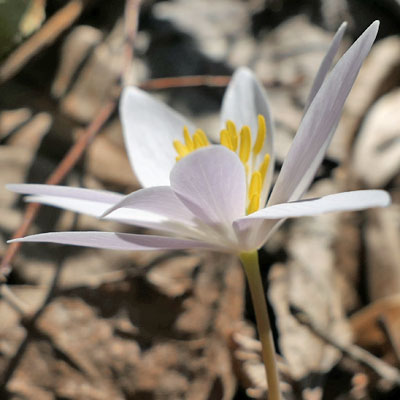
[69,161]
[131,17]
[12,300]
[186,81]
[66,165]
[47,34]
[357,353]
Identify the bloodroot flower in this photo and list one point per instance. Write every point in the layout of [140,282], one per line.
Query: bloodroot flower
[199,194]
[215,196]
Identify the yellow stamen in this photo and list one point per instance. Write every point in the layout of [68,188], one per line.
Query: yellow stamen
[255,184]
[203,137]
[188,139]
[231,127]
[254,204]
[247,169]
[197,142]
[264,167]
[262,130]
[180,148]
[245,144]
[225,139]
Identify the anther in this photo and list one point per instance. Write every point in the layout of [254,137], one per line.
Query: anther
[188,139]
[200,139]
[264,167]
[255,184]
[231,127]
[254,204]
[262,130]
[180,148]
[225,139]
[245,144]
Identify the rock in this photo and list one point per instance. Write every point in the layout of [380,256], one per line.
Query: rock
[378,75]
[377,147]
[218,24]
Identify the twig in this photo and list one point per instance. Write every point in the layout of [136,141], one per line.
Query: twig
[29,321]
[383,369]
[14,301]
[68,162]
[186,81]
[55,25]
[131,16]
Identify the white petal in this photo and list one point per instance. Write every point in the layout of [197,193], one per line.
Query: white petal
[318,125]
[326,63]
[255,229]
[211,183]
[244,100]
[100,196]
[116,241]
[160,200]
[346,201]
[96,203]
[149,129]
[87,201]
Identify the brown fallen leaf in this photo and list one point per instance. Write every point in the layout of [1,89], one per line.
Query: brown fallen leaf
[382,235]
[308,281]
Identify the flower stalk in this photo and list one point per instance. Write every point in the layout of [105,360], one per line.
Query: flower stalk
[251,266]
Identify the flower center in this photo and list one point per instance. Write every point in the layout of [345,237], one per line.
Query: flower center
[256,165]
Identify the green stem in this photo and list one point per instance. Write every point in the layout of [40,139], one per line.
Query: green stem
[251,266]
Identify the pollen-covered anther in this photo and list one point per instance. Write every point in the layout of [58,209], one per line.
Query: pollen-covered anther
[188,140]
[255,184]
[254,204]
[261,133]
[231,128]
[254,192]
[200,139]
[245,144]
[180,148]
[225,139]
[264,167]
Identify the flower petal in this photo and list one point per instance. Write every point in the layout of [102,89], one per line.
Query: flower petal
[211,183]
[346,201]
[66,191]
[96,203]
[149,128]
[253,234]
[319,122]
[116,241]
[326,63]
[244,100]
[87,201]
[160,200]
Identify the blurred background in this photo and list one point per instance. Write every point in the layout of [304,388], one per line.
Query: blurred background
[80,323]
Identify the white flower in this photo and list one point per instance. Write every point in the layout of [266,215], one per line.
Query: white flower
[201,195]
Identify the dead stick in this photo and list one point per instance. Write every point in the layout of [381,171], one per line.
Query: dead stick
[49,32]
[69,161]
[131,17]
[383,369]
[186,81]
